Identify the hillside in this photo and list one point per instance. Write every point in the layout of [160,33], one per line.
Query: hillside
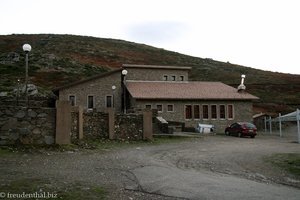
[59,59]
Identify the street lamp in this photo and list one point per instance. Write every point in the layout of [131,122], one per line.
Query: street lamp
[18,91]
[26,49]
[124,73]
[113,89]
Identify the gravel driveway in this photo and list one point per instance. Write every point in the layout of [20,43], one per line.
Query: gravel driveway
[212,167]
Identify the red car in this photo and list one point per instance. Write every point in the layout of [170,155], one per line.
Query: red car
[241,129]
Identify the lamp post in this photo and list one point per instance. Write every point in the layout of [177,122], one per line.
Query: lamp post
[113,99]
[26,49]
[124,73]
[18,91]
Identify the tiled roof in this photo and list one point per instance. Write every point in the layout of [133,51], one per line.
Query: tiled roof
[185,90]
[155,67]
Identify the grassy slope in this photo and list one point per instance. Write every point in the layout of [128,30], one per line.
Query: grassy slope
[59,59]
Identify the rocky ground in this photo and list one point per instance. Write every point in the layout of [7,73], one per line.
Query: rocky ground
[116,169]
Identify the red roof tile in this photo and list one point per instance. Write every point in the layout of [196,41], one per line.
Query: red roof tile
[185,90]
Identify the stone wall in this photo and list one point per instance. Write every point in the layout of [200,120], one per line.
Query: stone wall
[74,126]
[96,126]
[27,126]
[129,127]
[19,125]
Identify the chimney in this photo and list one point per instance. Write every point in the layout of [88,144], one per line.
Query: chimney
[242,87]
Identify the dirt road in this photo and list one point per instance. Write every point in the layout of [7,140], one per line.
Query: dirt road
[212,167]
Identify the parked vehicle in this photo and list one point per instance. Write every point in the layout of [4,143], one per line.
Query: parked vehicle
[241,129]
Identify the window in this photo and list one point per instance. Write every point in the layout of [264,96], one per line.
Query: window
[196,111]
[173,78]
[72,100]
[213,111]
[170,108]
[148,107]
[90,103]
[222,112]
[188,112]
[165,78]
[159,108]
[181,78]
[205,111]
[109,101]
[235,125]
[230,111]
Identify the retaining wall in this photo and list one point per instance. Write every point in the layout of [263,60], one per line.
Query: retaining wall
[27,126]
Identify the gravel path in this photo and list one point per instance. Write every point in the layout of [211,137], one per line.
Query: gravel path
[118,170]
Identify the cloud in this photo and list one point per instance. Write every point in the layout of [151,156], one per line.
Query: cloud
[157,32]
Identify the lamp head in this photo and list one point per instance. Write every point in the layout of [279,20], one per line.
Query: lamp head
[124,72]
[26,48]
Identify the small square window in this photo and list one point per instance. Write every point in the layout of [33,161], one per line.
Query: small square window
[170,108]
[173,78]
[72,100]
[181,78]
[109,101]
[159,108]
[165,78]
[148,107]
[90,102]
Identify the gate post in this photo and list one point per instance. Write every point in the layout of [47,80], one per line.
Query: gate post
[80,122]
[270,124]
[111,124]
[298,123]
[63,122]
[147,125]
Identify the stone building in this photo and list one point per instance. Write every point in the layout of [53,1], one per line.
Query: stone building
[165,88]
[95,93]
[156,73]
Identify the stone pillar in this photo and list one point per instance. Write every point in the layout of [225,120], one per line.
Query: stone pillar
[147,125]
[111,124]
[80,122]
[63,122]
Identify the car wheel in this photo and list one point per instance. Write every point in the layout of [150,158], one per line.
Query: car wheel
[252,136]
[227,133]
[240,134]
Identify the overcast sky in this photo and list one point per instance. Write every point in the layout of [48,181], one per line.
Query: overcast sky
[263,34]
